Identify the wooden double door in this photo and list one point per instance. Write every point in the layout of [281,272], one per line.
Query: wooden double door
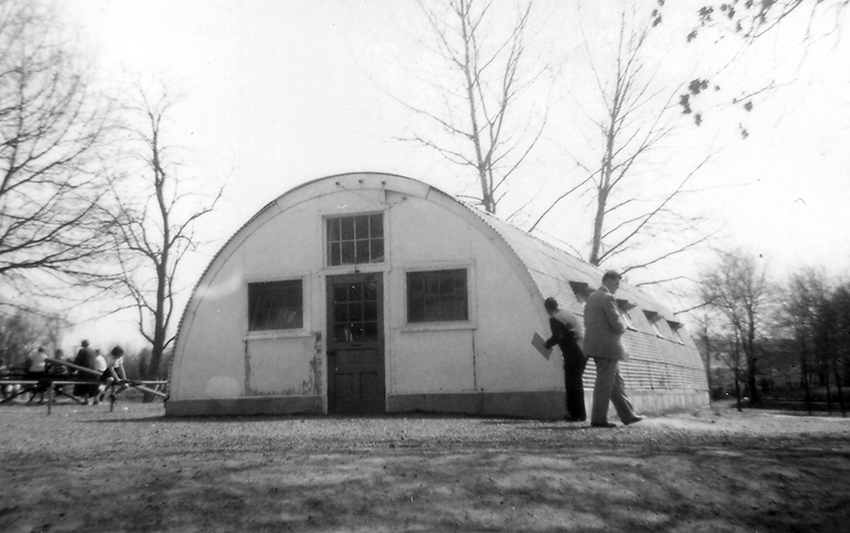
[355,344]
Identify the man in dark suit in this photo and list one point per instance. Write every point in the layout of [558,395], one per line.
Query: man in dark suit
[566,333]
[86,358]
[603,342]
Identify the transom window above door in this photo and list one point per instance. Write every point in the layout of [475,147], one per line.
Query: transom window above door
[355,239]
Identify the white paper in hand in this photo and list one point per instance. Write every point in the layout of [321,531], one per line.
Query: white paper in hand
[538,342]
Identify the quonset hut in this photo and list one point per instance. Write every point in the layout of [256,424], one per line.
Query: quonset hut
[373,293]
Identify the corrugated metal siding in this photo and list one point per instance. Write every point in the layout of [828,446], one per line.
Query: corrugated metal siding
[655,363]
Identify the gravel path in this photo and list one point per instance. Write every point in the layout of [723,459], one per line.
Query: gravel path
[133,470]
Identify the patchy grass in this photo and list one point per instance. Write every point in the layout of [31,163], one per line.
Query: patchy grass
[86,469]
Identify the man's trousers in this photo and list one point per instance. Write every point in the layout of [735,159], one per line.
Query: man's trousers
[573,372]
[610,387]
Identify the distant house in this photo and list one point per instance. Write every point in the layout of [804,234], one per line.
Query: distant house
[373,293]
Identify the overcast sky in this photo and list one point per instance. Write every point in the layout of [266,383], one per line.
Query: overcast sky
[278,93]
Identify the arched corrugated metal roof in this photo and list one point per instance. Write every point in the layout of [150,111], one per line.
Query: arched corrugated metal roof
[556,271]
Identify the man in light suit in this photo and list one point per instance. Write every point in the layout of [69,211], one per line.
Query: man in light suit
[603,331]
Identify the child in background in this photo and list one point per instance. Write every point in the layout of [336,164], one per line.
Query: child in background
[100,366]
[38,370]
[115,371]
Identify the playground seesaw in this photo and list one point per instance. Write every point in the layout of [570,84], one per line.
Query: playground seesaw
[52,384]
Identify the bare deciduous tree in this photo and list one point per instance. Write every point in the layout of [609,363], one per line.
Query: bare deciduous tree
[51,126]
[818,317]
[803,297]
[155,222]
[721,345]
[480,124]
[739,290]
[834,326]
[705,337]
[631,203]
[730,354]
[24,330]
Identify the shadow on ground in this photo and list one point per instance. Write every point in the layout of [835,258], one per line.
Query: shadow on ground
[105,473]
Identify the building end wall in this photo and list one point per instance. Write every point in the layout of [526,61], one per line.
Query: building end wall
[542,405]
[265,405]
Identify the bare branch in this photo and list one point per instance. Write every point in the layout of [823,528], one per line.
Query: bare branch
[52,128]
[154,221]
[478,118]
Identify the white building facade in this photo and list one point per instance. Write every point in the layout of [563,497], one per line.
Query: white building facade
[374,293]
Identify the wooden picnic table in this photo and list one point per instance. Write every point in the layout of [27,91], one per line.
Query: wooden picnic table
[53,384]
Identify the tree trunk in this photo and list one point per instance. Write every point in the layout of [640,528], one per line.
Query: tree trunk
[162,279]
[707,343]
[159,333]
[738,392]
[596,240]
[156,358]
[805,374]
[755,397]
[752,358]
[603,190]
[840,388]
[828,396]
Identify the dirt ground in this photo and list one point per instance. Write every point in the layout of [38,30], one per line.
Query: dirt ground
[86,469]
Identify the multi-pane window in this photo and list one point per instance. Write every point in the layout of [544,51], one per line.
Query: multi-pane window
[624,308]
[581,291]
[676,328]
[355,312]
[355,239]
[655,322]
[275,305]
[437,296]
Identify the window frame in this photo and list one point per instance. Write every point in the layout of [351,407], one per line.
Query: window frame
[362,318]
[655,321]
[624,307]
[581,291]
[298,331]
[471,308]
[451,274]
[676,328]
[328,253]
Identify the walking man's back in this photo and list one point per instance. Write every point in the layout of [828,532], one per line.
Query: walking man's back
[603,332]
